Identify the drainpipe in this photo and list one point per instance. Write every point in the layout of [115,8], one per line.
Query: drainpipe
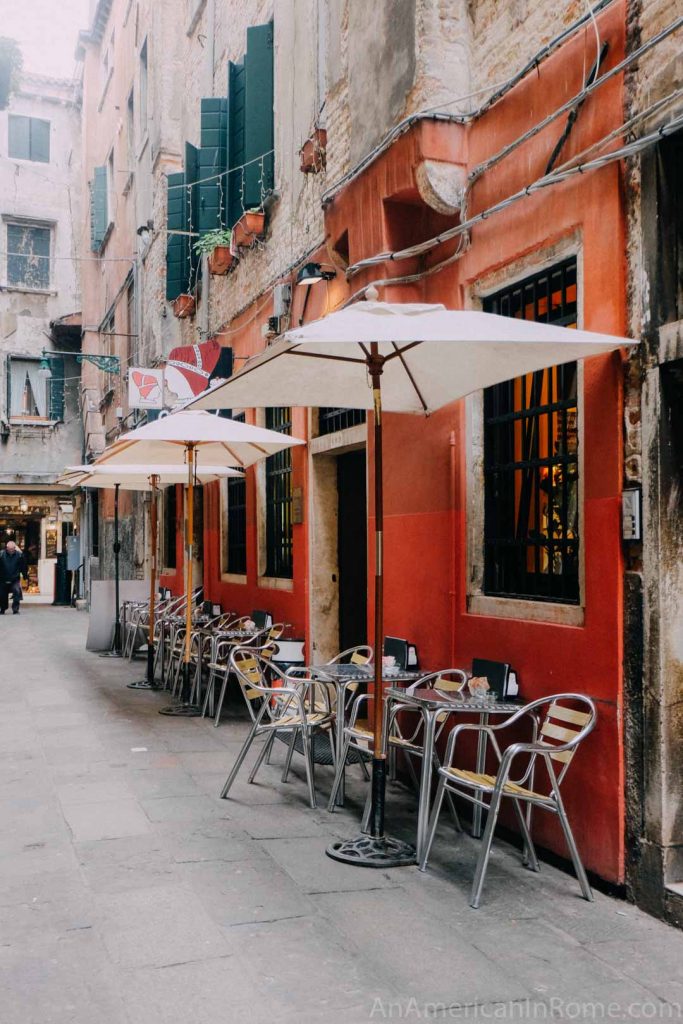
[454,543]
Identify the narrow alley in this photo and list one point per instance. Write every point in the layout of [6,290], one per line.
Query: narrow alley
[131,894]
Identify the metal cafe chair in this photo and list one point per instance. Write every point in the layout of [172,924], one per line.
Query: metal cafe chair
[567,718]
[360,655]
[277,703]
[265,639]
[404,725]
[219,660]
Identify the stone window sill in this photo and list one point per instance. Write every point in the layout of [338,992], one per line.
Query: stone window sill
[528,611]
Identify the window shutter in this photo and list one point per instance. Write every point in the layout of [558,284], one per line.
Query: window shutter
[192,201]
[56,392]
[177,249]
[40,140]
[258,114]
[98,208]
[235,142]
[212,157]
[8,374]
[19,137]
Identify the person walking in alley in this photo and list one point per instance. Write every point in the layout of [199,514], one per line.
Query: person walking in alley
[12,568]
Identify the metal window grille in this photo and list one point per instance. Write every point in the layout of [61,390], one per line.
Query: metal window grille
[531,452]
[332,420]
[279,500]
[236,522]
[28,256]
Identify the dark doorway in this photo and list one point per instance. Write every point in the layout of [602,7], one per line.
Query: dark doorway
[353,549]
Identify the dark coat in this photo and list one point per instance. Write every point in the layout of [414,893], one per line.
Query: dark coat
[12,566]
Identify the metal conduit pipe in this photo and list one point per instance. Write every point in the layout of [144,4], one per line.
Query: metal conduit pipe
[561,174]
[433,113]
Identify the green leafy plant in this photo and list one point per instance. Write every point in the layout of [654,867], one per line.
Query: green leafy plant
[11,63]
[208,242]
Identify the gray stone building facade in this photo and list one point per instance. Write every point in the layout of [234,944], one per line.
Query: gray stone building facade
[40,417]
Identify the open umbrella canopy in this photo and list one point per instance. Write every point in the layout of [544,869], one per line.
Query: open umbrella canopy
[431,356]
[395,357]
[138,478]
[214,440]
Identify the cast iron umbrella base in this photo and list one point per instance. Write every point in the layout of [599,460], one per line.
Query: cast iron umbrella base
[185,709]
[376,850]
[148,683]
[372,852]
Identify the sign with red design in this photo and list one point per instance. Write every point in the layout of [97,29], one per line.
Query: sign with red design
[145,388]
[189,368]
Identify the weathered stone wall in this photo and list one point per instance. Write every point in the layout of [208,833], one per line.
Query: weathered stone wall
[653,459]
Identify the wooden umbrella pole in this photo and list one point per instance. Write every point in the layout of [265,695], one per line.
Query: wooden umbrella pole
[379,756]
[189,521]
[154,480]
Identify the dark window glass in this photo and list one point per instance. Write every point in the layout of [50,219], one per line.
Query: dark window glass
[28,256]
[332,420]
[170,527]
[279,500]
[28,138]
[235,552]
[531,457]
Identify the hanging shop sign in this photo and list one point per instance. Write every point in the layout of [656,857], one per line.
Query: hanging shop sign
[145,388]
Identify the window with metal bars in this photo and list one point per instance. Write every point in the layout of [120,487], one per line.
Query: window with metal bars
[531,457]
[279,500]
[235,543]
[332,420]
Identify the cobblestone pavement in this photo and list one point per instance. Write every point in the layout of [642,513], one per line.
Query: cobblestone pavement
[131,894]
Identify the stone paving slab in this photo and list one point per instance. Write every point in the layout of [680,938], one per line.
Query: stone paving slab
[131,894]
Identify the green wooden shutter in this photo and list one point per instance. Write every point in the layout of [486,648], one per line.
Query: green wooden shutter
[177,249]
[40,140]
[235,142]
[192,200]
[258,113]
[19,137]
[98,208]
[212,157]
[56,389]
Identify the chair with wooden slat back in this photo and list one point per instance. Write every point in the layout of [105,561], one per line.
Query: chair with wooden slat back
[566,719]
[277,704]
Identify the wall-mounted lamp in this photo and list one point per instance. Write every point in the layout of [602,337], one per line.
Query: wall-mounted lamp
[311,273]
[108,364]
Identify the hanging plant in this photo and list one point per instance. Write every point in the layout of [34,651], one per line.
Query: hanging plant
[184,306]
[249,227]
[313,153]
[10,67]
[216,244]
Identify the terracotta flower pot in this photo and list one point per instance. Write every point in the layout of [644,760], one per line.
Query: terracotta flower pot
[220,260]
[248,228]
[313,152]
[184,306]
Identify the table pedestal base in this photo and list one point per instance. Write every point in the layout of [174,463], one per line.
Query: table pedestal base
[373,852]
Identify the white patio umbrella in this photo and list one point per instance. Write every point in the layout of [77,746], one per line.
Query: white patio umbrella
[194,439]
[410,358]
[137,478]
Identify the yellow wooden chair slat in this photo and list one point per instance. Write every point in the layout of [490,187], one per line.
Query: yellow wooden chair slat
[478,780]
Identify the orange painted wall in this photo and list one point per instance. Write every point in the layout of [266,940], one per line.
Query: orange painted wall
[425,460]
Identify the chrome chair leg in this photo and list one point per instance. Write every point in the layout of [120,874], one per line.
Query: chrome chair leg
[338,775]
[262,756]
[573,851]
[529,857]
[487,839]
[433,822]
[242,754]
[208,694]
[306,741]
[288,759]
[367,811]
[219,707]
